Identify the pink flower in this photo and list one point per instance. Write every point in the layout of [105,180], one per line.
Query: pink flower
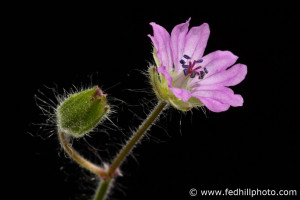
[189,75]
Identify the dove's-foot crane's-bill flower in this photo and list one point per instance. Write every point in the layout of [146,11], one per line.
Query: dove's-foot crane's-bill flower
[185,78]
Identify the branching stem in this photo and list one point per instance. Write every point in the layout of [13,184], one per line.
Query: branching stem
[136,137]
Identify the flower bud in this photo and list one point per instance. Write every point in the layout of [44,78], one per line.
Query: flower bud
[81,112]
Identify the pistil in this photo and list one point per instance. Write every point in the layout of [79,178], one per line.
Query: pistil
[189,69]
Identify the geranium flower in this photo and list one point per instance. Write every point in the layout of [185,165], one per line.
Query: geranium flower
[185,78]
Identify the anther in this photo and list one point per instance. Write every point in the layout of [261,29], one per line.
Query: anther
[201,75]
[186,57]
[185,71]
[193,75]
[190,67]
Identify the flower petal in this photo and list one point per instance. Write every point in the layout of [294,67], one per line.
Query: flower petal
[177,42]
[161,41]
[196,41]
[214,105]
[222,96]
[218,61]
[230,77]
[212,87]
[217,98]
[183,94]
[163,70]
[180,93]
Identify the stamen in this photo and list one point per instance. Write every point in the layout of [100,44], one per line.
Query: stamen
[197,68]
[185,71]
[193,75]
[201,75]
[192,64]
[186,57]
[188,69]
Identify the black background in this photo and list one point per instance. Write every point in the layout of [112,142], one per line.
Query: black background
[54,47]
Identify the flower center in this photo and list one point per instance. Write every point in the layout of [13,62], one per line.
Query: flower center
[189,68]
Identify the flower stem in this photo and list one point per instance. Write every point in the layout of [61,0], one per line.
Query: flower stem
[136,137]
[102,189]
[65,142]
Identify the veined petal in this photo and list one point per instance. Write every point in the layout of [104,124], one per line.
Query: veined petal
[212,88]
[214,105]
[196,41]
[230,77]
[180,93]
[161,41]
[183,94]
[177,42]
[218,61]
[222,96]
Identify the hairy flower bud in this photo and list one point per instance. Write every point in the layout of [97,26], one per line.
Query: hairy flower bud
[81,112]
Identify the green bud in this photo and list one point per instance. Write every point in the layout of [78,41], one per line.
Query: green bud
[81,112]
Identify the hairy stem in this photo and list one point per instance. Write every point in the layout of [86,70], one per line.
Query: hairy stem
[102,189]
[74,155]
[136,137]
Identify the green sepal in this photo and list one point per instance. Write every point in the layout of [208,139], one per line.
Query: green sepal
[81,112]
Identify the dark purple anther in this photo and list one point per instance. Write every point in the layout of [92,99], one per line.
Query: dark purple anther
[199,61]
[201,75]
[182,62]
[186,57]
[185,66]
[185,72]
[193,75]
[205,70]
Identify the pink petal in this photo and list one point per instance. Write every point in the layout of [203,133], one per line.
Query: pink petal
[196,41]
[177,42]
[230,77]
[180,93]
[222,96]
[217,98]
[212,87]
[183,94]
[161,41]
[163,70]
[214,105]
[218,61]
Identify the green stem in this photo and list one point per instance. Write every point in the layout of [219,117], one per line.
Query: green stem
[136,137]
[102,190]
[65,143]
